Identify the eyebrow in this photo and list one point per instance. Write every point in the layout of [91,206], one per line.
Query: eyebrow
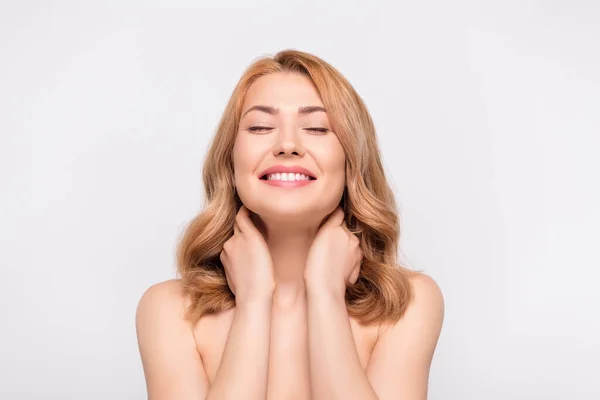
[274,111]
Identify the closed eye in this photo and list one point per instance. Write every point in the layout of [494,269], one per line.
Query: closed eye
[265,128]
[318,129]
[258,128]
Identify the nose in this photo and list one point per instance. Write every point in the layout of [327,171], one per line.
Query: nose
[288,142]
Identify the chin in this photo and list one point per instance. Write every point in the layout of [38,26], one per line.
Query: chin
[303,209]
[288,212]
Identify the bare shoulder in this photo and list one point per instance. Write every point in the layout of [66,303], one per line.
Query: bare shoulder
[167,294]
[426,306]
[172,366]
[426,290]
[428,300]
[399,366]
[164,300]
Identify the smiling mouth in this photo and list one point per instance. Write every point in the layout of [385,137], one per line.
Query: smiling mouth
[287,177]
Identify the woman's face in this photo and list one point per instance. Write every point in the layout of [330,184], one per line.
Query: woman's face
[287,137]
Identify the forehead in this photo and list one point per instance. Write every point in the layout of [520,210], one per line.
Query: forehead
[282,90]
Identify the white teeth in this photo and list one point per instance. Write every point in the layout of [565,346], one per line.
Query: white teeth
[287,177]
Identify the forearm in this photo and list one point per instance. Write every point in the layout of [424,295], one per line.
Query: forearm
[336,371]
[242,373]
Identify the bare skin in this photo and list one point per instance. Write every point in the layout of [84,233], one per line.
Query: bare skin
[181,361]
[289,336]
[288,376]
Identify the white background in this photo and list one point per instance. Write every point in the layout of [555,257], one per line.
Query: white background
[487,117]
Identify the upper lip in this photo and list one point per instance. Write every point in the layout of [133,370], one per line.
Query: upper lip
[283,168]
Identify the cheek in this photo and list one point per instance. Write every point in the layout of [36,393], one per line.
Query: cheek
[332,161]
[332,158]
[246,159]
[243,158]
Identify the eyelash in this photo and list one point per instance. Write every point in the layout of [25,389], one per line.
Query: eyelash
[262,128]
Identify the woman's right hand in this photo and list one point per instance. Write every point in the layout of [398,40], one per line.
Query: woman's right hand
[247,261]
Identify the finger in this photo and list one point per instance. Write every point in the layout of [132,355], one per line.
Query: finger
[351,234]
[354,274]
[358,268]
[336,218]
[243,219]
[224,259]
[229,282]
[236,229]
[345,226]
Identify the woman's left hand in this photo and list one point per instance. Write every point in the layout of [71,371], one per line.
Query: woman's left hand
[334,258]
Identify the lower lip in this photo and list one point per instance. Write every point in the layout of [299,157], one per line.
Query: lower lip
[288,184]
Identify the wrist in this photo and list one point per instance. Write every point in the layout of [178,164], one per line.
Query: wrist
[321,288]
[259,300]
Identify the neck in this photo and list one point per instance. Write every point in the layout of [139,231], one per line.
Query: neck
[288,245]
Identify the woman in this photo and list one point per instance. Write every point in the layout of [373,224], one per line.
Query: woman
[289,282]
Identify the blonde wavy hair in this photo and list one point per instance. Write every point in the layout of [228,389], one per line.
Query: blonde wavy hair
[382,291]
